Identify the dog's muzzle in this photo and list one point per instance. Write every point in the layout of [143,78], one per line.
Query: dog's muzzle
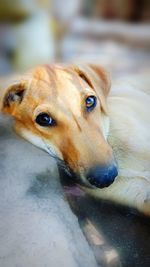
[102,176]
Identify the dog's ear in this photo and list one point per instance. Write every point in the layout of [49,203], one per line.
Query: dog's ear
[11,95]
[103,76]
[97,78]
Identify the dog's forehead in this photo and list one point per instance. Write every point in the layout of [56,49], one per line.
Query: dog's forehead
[57,85]
[57,79]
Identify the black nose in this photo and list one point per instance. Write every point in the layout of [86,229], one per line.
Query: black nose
[102,176]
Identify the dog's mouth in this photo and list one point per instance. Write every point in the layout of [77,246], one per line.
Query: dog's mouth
[96,177]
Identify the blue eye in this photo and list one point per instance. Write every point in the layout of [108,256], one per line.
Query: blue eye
[90,102]
[43,119]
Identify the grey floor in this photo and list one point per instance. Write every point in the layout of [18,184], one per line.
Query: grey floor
[37,226]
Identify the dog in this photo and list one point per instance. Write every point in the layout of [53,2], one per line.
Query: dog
[98,133]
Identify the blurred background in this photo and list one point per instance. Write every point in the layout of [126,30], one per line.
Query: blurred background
[113,33]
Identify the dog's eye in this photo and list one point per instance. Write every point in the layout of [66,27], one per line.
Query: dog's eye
[91,102]
[43,119]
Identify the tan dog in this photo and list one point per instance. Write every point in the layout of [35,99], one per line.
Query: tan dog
[63,110]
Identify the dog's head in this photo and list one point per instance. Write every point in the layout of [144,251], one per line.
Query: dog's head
[63,110]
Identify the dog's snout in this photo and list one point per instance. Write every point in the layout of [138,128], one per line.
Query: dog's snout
[102,176]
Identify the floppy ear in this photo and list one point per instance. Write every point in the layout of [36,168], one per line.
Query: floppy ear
[97,78]
[11,95]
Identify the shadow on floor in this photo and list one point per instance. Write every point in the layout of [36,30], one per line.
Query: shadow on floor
[119,236]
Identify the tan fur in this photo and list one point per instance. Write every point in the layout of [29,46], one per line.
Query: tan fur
[81,139]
